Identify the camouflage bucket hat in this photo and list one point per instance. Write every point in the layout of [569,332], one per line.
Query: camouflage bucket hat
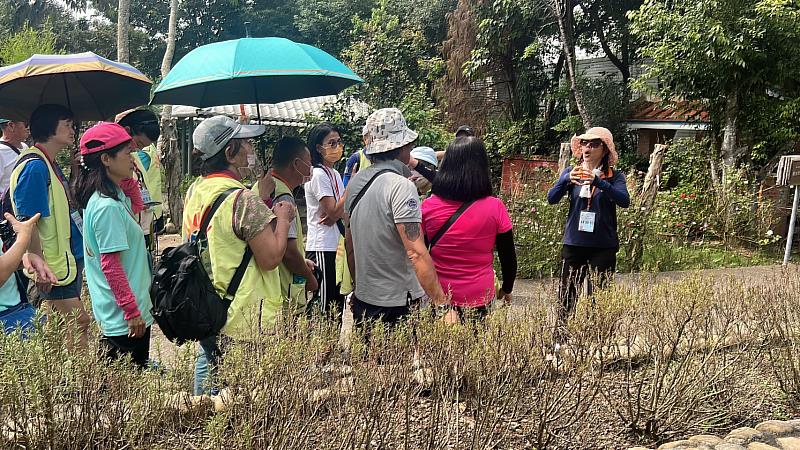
[388,130]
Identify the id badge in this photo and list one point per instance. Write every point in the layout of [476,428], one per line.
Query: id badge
[76,217]
[586,221]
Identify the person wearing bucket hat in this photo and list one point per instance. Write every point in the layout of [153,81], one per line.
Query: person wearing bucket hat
[595,190]
[38,185]
[386,252]
[11,145]
[117,266]
[243,220]
[358,160]
[423,164]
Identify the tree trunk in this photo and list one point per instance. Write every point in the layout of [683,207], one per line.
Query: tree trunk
[123,31]
[565,152]
[644,203]
[554,82]
[730,136]
[562,10]
[168,143]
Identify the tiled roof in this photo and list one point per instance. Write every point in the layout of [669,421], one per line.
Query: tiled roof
[680,111]
[290,113]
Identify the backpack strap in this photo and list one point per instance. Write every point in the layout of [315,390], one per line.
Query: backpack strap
[366,186]
[14,149]
[238,275]
[449,223]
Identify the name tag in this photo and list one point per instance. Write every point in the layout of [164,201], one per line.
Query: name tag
[76,217]
[586,222]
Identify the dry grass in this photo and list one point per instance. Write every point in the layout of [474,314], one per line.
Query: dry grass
[645,363]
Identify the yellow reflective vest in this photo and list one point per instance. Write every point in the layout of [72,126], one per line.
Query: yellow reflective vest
[257,302]
[54,230]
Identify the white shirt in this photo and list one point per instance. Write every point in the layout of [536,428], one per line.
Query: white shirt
[8,157]
[324,182]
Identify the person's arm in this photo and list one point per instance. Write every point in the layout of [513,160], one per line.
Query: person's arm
[559,190]
[130,187]
[111,265]
[10,260]
[429,174]
[617,190]
[349,249]
[296,262]
[411,235]
[270,242]
[507,255]
[331,210]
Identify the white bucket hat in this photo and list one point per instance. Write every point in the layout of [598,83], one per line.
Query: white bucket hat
[388,129]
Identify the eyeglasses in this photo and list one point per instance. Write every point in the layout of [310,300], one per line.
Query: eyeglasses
[594,143]
[334,144]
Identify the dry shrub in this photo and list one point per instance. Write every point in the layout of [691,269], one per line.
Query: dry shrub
[654,360]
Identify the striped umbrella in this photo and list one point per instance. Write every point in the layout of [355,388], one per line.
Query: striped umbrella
[93,87]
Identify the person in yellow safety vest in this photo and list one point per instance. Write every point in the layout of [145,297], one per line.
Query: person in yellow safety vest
[291,163]
[38,185]
[143,126]
[243,220]
[358,160]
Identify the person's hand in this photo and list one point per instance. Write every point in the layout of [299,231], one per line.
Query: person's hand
[451,318]
[24,229]
[136,327]
[35,266]
[284,210]
[311,284]
[576,175]
[505,297]
[325,220]
[266,186]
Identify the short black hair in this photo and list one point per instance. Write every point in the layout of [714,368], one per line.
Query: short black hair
[142,121]
[44,121]
[316,136]
[286,150]
[385,156]
[464,172]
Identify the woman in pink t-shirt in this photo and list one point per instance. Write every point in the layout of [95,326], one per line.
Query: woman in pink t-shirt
[464,254]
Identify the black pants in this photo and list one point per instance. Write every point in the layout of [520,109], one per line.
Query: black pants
[328,298]
[576,263]
[363,313]
[117,347]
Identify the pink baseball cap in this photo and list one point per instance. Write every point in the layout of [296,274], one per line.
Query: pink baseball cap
[103,136]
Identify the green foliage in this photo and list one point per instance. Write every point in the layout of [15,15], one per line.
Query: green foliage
[388,55]
[328,24]
[424,118]
[26,42]
[687,166]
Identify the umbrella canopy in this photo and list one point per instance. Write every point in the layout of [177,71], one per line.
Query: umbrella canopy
[93,87]
[253,70]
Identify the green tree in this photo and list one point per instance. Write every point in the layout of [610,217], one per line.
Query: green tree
[388,55]
[27,42]
[726,54]
[327,24]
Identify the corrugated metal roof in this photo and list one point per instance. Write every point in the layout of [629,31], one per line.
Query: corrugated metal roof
[290,113]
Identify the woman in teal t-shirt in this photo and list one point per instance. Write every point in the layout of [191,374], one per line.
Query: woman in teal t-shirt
[117,268]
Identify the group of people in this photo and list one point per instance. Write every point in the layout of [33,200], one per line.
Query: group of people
[405,226]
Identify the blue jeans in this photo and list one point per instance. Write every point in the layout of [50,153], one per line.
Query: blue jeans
[19,317]
[205,369]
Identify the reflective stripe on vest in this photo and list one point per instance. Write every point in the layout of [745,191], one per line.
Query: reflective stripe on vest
[54,230]
[257,303]
[152,178]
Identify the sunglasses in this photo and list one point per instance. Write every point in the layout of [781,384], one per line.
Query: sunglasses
[334,144]
[594,143]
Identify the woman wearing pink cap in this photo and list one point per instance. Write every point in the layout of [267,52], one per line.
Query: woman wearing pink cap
[595,190]
[117,268]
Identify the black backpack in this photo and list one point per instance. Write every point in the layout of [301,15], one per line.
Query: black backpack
[185,304]
[5,197]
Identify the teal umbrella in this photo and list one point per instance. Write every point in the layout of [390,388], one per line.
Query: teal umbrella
[252,70]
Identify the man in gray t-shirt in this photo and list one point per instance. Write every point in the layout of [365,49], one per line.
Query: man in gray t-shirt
[388,258]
